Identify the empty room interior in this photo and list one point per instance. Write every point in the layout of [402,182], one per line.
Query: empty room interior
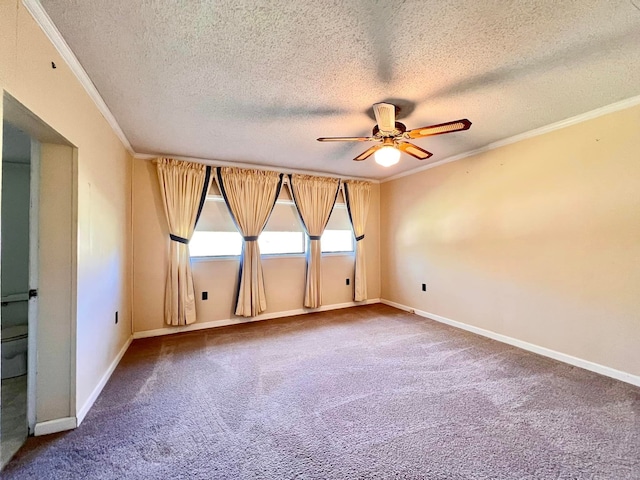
[387,239]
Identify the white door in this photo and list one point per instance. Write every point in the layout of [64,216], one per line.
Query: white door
[32,354]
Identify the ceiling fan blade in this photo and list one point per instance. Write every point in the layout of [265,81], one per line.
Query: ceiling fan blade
[413,150]
[346,139]
[385,116]
[439,129]
[367,153]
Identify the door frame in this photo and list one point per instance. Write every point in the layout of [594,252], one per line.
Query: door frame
[51,394]
[34,241]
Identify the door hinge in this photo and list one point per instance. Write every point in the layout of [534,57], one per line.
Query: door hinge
[33,293]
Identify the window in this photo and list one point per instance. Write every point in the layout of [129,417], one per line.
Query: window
[338,236]
[215,244]
[337,241]
[283,233]
[217,236]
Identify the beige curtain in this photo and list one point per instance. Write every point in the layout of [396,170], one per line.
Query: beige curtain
[184,187]
[314,198]
[357,195]
[250,196]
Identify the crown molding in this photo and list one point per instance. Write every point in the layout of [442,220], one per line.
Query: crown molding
[583,117]
[226,163]
[55,37]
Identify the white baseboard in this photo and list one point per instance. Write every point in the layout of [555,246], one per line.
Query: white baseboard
[546,352]
[103,381]
[55,426]
[237,320]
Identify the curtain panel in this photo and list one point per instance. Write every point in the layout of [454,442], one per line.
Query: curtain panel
[314,198]
[250,196]
[357,195]
[183,187]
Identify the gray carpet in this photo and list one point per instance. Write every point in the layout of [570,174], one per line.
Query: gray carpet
[366,392]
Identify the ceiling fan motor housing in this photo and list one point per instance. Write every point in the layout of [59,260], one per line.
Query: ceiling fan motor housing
[399,130]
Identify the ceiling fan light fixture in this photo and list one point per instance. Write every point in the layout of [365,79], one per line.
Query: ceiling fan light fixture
[394,136]
[387,156]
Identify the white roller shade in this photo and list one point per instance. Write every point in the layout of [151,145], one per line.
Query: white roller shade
[339,219]
[215,216]
[284,218]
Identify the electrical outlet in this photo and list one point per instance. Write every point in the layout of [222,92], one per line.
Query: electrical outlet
[424,287]
[348,281]
[116,318]
[205,295]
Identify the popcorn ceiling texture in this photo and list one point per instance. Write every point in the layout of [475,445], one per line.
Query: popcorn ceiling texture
[258,82]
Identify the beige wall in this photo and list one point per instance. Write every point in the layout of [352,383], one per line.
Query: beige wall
[284,277]
[539,240]
[54,387]
[102,187]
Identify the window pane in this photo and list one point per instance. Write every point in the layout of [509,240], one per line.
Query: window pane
[212,244]
[281,242]
[338,236]
[337,241]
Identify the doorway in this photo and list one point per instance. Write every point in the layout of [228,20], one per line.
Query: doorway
[15,286]
[37,281]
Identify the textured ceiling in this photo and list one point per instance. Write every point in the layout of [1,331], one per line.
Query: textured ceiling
[258,82]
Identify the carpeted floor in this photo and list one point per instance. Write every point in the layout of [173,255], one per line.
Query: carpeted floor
[366,392]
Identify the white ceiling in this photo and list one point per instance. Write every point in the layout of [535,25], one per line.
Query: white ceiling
[258,82]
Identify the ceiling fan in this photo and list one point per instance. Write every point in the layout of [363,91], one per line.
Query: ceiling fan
[392,136]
